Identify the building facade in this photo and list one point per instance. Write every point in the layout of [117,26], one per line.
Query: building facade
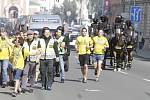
[14,8]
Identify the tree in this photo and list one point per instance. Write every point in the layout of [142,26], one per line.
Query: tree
[66,6]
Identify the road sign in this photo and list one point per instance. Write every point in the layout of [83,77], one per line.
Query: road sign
[135,14]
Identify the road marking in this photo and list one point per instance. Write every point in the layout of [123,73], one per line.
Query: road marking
[123,72]
[146,80]
[92,90]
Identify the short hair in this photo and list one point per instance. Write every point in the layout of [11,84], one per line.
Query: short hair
[83,29]
[20,40]
[44,28]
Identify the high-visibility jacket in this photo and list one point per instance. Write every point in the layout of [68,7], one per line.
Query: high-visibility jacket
[48,51]
[33,47]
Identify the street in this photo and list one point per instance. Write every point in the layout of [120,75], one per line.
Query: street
[132,84]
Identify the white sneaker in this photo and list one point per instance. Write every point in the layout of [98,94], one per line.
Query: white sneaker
[119,69]
[97,79]
[115,70]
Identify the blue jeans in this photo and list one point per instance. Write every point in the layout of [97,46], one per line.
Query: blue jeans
[3,70]
[17,74]
[62,71]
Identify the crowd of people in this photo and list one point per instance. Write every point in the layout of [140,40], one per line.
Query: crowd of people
[26,55]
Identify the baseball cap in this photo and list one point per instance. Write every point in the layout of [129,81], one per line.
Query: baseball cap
[29,32]
[36,32]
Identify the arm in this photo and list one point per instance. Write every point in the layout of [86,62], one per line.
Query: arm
[76,45]
[55,46]
[7,39]
[67,46]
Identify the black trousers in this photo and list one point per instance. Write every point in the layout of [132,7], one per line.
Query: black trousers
[46,70]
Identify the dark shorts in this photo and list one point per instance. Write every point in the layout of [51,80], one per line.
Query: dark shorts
[83,59]
[17,74]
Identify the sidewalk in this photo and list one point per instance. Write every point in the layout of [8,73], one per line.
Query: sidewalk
[143,53]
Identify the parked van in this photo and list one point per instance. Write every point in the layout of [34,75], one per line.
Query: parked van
[38,21]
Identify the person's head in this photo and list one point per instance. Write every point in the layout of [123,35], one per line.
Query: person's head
[18,41]
[2,32]
[84,31]
[25,37]
[21,34]
[100,33]
[30,35]
[46,32]
[60,30]
[36,34]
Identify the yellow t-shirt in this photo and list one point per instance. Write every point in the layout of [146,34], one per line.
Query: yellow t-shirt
[82,43]
[4,49]
[90,44]
[18,57]
[99,44]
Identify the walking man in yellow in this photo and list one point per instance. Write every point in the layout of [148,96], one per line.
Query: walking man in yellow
[100,43]
[4,59]
[82,46]
[17,59]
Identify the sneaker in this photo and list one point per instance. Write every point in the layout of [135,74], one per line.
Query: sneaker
[49,88]
[62,80]
[57,75]
[23,90]
[84,80]
[42,88]
[97,79]
[30,90]
[14,94]
[119,69]
[95,72]
[19,92]
[115,70]
[4,85]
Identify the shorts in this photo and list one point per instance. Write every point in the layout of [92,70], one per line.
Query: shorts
[17,74]
[98,57]
[83,59]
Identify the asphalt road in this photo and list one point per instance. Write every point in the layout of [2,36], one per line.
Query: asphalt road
[132,84]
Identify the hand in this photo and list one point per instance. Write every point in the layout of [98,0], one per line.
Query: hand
[37,61]
[57,59]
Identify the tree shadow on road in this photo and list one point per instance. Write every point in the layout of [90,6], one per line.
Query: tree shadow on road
[73,80]
[142,58]
[7,93]
[147,93]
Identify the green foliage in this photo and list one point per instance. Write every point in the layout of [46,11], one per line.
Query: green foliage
[66,6]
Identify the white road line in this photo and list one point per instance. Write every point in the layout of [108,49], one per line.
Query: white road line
[92,90]
[123,72]
[146,80]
